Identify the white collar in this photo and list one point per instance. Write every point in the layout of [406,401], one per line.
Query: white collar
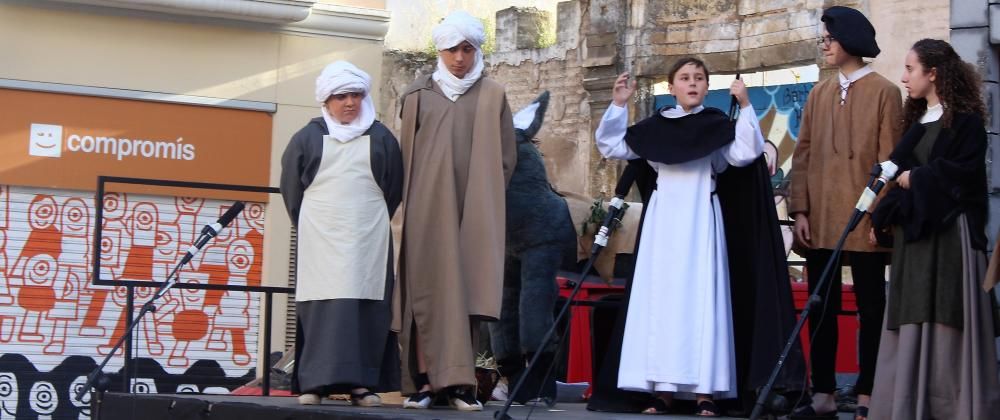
[847,81]
[854,76]
[677,112]
[933,113]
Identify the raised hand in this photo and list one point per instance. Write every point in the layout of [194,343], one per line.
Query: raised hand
[623,90]
[739,90]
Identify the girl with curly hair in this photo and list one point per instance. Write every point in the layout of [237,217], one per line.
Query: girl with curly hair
[938,355]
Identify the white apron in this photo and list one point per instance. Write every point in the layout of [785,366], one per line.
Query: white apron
[343,230]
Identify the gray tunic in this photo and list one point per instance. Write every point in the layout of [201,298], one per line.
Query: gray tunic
[343,343]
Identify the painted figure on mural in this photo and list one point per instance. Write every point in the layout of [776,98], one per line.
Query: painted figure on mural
[232,316]
[9,395]
[141,228]
[341,181]
[459,153]
[190,321]
[6,293]
[113,241]
[37,297]
[72,270]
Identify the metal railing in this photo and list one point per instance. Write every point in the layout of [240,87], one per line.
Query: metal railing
[131,285]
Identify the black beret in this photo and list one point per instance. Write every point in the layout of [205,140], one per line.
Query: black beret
[852,30]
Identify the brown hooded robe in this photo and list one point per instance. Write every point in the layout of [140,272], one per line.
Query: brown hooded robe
[457,160]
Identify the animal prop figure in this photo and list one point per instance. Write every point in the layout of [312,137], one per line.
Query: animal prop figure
[539,234]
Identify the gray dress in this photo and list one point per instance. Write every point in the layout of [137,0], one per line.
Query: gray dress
[341,343]
[937,356]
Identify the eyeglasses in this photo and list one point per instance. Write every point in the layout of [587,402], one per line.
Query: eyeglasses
[825,40]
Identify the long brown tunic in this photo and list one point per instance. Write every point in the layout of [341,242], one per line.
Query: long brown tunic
[837,147]
[457,159]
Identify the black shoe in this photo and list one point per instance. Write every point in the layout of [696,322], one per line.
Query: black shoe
[420,400]
[536,385]
[461,399]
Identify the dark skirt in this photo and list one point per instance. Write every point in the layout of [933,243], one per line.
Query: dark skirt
[929,286]
[930,370]
[341,344]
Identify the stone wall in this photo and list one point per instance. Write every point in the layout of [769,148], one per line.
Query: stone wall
[975,34]
[598,39]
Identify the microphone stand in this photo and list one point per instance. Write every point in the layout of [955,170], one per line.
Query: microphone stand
[614,221]
[814,299]
[96,379]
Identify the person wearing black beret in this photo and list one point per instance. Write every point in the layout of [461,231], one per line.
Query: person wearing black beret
[850,123]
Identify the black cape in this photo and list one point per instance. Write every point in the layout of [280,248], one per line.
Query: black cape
[763,309]
[953,182]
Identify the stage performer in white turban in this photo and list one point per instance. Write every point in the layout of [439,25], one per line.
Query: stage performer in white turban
[459,152]
[341,180]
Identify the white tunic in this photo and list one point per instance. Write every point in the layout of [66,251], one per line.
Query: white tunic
[343,227]
[679,330]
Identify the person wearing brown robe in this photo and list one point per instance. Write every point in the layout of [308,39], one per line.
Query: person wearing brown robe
[850,123]
[459,152]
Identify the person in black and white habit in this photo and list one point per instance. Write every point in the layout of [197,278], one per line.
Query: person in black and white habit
[684,333]
[341,180]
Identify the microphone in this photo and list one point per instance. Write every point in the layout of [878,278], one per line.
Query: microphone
[885,172]
[616,207]
[212,230]
[888,173]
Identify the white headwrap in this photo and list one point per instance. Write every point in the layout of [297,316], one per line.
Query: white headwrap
[343,77]
[456,28]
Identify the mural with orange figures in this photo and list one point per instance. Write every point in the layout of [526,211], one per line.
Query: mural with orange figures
[50,313]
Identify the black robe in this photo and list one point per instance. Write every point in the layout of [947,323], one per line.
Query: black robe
[762,306]
[953,182]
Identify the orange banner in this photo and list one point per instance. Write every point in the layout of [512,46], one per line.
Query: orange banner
[55,140]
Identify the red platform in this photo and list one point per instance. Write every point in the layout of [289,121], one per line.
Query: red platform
[847,323]
[579,365]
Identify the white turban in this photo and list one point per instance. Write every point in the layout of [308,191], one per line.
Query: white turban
[453,30]
[343,77]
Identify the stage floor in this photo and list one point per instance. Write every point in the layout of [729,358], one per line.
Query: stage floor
[189,406]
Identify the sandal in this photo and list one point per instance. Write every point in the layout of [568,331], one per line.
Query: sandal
[707,406]
[366,399]
[809,413]
[657,407]
[861,413]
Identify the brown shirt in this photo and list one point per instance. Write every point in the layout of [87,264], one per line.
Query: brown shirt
[837,147]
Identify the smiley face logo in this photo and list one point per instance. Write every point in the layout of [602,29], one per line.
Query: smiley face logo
[45,140]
